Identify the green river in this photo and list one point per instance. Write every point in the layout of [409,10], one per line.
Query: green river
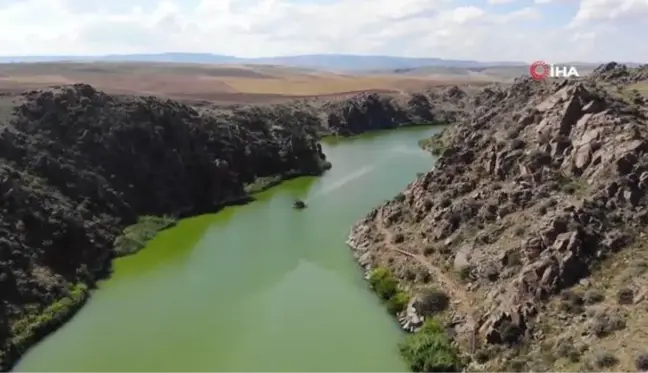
[260,287]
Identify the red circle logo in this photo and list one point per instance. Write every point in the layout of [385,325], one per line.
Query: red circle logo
[539,70]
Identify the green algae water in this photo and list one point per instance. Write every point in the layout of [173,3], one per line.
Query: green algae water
[260,287]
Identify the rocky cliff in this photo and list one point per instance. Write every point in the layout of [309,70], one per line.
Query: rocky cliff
[533,221]
[374,111]
[77,166]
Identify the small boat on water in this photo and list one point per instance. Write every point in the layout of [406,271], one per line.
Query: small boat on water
[299,204]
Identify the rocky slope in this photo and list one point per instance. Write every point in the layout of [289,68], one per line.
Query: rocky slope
[77,166]
[533,222]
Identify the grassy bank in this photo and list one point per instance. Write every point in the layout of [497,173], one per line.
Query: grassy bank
[262,184]
[134,237]
[37,324]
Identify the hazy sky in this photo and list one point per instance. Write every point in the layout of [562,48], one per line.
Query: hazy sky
[592,30]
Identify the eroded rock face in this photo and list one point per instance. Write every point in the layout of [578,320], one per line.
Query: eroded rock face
[77,165]
[372,111]
[541,183]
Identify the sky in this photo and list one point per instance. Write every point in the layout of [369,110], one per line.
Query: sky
[485,30]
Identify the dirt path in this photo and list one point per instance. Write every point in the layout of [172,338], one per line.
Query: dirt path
[460,298]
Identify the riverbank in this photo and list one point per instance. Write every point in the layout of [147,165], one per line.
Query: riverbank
[80,192]
[420,310]
[114,159]
[224,295]
[528,223]
[34,327]
[262,184]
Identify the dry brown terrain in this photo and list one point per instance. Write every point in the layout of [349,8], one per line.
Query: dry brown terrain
[221,83]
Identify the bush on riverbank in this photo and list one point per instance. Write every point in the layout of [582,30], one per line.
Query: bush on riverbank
[398,302]
[430,350]
[386,286]
[134,237]
[31,326]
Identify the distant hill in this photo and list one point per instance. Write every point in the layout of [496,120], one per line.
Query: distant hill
[355,62]
[339,62]
[330,62]
[159,57]
[500,72]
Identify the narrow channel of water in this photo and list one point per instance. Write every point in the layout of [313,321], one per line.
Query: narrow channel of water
[260,287]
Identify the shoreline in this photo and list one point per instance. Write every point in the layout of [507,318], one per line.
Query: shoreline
[73,303]
[408,319]
[65,309]
[51,325]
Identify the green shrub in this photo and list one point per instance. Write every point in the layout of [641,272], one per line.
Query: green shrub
[398,302]
[383,282]
[430,350]
[386,286]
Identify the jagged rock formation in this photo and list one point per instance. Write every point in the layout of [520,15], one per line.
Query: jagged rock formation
[531,193]
[77,165]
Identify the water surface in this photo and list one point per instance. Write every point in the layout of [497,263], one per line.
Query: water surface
[260,287]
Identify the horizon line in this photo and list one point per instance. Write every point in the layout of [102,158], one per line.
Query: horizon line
[74,55]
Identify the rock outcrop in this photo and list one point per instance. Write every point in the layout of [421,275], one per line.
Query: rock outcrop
[373,111]
[530,194]
[619,74]
[409,319]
